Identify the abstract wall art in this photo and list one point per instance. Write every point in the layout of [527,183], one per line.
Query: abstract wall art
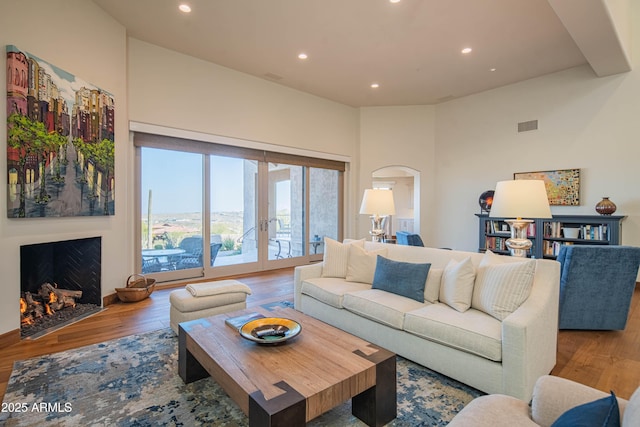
[563,186]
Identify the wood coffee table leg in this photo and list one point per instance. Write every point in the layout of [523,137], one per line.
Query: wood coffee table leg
[189,368]
[377,406]
[286,410]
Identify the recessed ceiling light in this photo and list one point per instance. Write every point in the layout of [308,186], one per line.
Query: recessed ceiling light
[394,1]
[302,55]
[184,8]
[375,85]
[492,69]
[466,50]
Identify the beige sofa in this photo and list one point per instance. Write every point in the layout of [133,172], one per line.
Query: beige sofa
[495,356]
[552,396]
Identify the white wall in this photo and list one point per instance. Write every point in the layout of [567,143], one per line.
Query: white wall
[174,90]
[78,37]
[584,122]
[398,136]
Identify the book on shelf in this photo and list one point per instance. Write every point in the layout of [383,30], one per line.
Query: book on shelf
[552,248]
[492,227]
[496,243]
[595,232]
[237,321]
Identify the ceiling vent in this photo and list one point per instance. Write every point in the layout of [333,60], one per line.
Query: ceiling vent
[527,126]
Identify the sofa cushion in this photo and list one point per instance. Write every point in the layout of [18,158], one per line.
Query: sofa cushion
[330,290]
[362,264]
[432,288]
[380,306]
[472,331]
[456,288]
[501,288]
[401,278]
[599,413]
[336,257]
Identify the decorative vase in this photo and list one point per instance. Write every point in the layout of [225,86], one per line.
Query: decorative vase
[605,206]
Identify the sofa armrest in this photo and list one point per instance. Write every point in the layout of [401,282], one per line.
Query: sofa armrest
[553,396]
[300,274]
[529,334]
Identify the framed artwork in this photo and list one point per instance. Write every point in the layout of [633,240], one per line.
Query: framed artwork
[60,142]
[563,186]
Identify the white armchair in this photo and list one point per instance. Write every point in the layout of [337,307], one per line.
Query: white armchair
[552,396]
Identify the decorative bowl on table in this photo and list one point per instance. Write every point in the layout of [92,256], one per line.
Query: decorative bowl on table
[270,330]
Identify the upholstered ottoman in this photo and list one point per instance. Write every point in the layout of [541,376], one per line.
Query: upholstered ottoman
[198,300]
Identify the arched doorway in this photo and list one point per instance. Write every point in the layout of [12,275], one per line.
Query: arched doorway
[405,183]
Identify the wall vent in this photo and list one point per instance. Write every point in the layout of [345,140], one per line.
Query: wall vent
[527,126]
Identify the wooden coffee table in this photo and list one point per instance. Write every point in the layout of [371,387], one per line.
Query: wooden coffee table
[291,383]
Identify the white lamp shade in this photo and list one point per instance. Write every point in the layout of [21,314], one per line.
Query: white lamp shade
[520,198]
[378,202]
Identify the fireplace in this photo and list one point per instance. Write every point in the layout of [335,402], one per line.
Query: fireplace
[59,284]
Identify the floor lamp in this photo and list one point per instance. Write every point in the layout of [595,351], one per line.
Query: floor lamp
[379,204]
[520,199]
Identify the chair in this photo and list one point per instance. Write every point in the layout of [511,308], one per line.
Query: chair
[552,396]
[596,285]
[410,239]
[151,265]
[215,248]
[192,256]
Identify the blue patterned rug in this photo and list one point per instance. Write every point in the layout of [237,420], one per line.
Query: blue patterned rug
[133,381]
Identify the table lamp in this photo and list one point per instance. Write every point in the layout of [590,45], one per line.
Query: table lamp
[520,198]
[379,204]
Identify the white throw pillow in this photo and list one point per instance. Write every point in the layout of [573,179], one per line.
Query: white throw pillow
[456,288]
[336,257]
[362,264]
[432,288]
[489,259]
[501,288]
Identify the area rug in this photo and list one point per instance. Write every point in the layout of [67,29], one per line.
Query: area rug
[133,381]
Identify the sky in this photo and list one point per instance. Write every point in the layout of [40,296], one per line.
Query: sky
[175,180]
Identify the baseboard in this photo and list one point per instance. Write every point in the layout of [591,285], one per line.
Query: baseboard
[10,338]
[109,299]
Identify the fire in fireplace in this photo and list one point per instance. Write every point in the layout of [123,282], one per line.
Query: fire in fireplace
[59,284]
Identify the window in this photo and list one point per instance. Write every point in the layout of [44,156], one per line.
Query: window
[209,210]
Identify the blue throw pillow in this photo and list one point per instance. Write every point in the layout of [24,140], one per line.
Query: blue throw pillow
[600,413]
[402,278]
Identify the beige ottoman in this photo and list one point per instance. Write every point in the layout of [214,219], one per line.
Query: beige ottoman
[198,300]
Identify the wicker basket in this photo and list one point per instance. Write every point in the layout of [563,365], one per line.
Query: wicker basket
[138,288]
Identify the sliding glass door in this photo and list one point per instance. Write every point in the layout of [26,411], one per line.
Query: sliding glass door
[233,214]
[210,215]
[172,211]
[285,212]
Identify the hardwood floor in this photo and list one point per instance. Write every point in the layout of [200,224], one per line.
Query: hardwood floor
[606,360]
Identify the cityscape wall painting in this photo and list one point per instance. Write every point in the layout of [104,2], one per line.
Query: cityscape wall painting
[563,186]
[60,142]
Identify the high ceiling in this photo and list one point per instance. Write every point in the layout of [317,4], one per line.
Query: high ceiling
[411,48]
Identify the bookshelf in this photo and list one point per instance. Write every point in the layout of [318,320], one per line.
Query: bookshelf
[548,235]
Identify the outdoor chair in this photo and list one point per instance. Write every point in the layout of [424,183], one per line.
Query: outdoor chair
[151,265]
[215,248]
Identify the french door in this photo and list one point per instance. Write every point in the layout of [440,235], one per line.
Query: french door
[210,215]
